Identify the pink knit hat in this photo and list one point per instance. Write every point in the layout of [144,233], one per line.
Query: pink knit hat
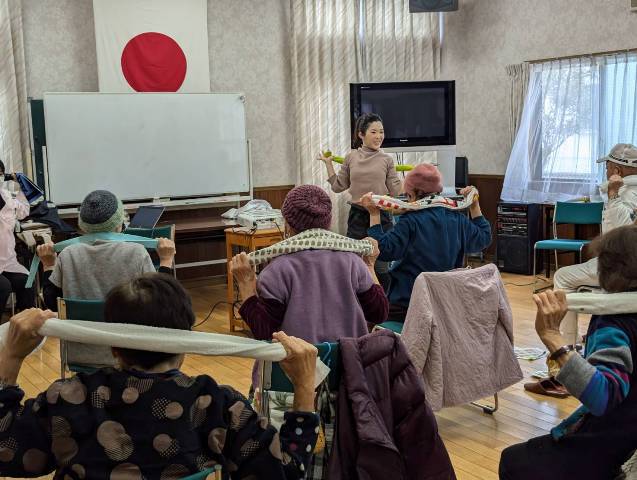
[306,207]
[424,178]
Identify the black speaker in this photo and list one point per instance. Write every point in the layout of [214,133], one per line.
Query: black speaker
[518,227]
[417,6]
[462,172]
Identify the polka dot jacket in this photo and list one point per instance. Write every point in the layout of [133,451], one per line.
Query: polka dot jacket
[131,425]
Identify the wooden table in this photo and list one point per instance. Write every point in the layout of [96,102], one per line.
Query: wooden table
[250,240]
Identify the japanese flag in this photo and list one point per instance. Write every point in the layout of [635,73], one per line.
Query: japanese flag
[152,45]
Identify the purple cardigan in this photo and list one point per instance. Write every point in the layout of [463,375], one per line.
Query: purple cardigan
[316,295]
[384,426]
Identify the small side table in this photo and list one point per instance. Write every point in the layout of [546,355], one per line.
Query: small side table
[250,240]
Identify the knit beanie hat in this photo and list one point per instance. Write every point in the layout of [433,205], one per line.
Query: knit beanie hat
[423,178]
[306,207]
[101,211]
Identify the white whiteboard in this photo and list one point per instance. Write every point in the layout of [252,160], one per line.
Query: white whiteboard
[145,145]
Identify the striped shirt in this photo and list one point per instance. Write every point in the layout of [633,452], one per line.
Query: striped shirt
[604,379]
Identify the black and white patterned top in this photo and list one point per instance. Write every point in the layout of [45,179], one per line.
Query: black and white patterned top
[131,425]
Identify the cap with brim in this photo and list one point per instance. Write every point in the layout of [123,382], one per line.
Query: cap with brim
[622,154]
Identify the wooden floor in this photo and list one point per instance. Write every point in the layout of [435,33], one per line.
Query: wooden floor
[474,440]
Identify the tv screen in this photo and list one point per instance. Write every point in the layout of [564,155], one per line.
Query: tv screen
[415,114]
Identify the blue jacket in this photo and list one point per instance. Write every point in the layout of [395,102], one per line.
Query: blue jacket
[429,240]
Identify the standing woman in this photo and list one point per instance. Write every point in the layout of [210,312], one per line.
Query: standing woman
[366,169]
[13,276]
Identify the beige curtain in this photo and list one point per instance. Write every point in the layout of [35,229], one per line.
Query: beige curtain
[398,45]
[14,142]
[326,57]
[327,40]
[518,86]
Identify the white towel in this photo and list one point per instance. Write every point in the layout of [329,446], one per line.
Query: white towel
[166,340]
[601,303]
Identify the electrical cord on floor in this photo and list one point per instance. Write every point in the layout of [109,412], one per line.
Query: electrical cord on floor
[519,284]
[233,305]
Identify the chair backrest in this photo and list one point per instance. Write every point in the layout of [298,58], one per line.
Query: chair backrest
[202,475]
[91,310]
[578,213]
[276,380]
[163,231]
[73,309]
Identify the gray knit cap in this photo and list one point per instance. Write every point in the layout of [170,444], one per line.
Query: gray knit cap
[101,211]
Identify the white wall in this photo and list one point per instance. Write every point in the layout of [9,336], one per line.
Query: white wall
[248,45]
[249,51]
[486,35]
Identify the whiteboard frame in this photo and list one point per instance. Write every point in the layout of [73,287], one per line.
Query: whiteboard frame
[201,201]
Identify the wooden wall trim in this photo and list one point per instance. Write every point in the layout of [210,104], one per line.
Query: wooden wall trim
[273,188]
[490,188]
[275,195]
[487,176]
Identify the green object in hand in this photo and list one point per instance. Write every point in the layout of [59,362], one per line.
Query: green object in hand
[399,168]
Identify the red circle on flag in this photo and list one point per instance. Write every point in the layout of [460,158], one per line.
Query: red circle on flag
[153,62]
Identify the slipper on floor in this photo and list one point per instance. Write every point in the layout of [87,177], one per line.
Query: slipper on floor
[548,387]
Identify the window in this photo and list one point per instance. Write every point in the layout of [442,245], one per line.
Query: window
[574,112]
[588,105]
[568,126]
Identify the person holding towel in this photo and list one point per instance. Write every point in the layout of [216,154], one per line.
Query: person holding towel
[366,169]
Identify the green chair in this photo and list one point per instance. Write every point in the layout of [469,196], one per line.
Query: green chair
[163,231]
[396,327]
[204,474]
[574,213]
[273,378]
[69,309]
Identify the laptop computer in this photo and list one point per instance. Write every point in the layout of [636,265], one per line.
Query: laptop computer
[147,216]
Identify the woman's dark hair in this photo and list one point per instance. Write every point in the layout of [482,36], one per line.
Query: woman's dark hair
[153,299]
[617,259]
[2,170]
[362,125]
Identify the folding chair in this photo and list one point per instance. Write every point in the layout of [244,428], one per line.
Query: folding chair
[575,213]
[274,379]
[12,302]
[209,473]
[72,309]
[396,327]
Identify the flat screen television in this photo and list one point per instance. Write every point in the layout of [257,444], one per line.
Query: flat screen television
[415,114]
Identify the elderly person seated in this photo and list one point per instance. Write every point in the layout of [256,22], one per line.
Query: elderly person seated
[427,240]
[147,419]
[13,276]
[317,295]
[86,271]
[599,436]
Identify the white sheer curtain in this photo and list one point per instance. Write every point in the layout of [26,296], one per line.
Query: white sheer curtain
[14,143]
[558,142]
[575,111]
[326,57]
[619,100]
